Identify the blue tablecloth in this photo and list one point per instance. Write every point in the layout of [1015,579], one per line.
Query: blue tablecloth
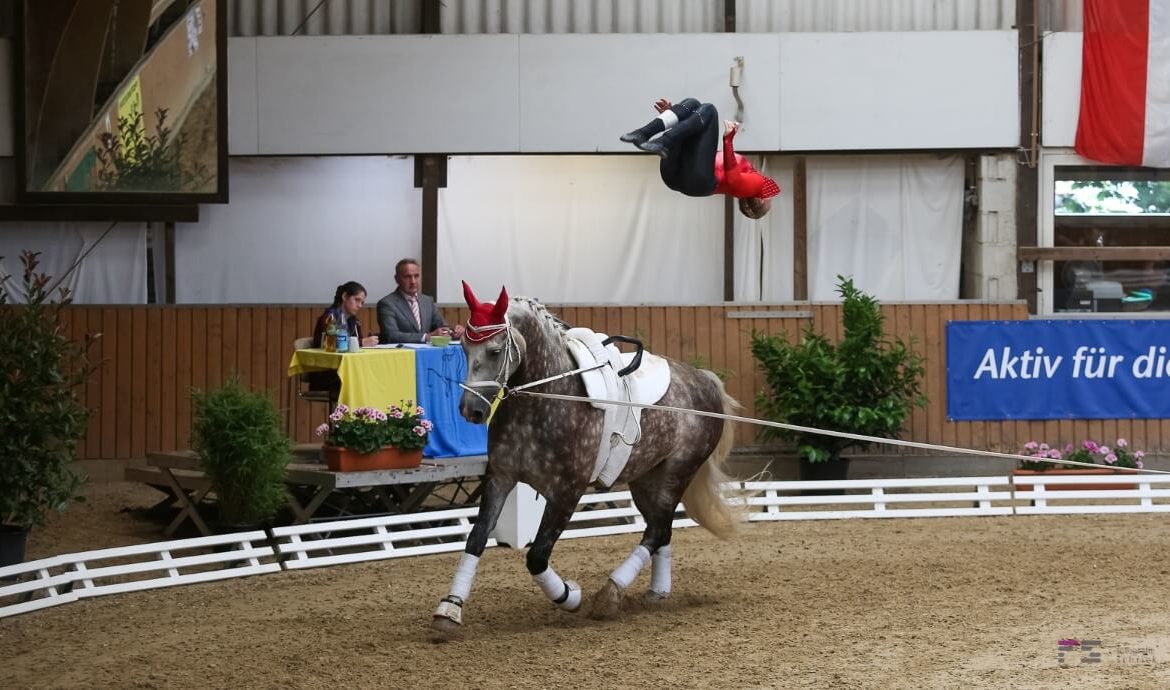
[438,373]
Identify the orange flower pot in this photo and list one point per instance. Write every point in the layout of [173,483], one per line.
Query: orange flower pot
[1070,487]
[388,458]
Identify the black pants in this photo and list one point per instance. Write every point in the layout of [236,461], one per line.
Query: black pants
[692,144]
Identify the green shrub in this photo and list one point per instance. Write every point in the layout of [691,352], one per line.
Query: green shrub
[241,444]
[864,385]
[41,415]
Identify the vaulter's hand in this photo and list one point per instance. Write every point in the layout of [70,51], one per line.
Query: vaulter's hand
[662,105]
[731,126]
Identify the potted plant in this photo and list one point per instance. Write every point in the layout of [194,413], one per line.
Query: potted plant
[41,415]
[239,438]
[1052,460]
[367,438]
[866,384]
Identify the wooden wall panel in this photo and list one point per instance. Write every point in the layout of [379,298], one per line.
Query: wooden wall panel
[149,358]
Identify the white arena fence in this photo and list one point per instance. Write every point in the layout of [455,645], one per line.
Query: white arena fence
[52,581]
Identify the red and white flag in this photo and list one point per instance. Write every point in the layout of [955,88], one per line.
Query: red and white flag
[1125,83]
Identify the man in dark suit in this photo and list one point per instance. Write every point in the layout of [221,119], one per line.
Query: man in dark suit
[408,316]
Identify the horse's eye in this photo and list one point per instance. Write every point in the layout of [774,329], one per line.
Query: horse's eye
[495,352]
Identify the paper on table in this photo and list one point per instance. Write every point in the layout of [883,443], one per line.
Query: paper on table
[393,346]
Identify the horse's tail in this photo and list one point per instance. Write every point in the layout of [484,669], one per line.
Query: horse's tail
[704,499]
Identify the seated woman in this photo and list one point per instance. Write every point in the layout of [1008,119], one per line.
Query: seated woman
[690,164]
[347,302]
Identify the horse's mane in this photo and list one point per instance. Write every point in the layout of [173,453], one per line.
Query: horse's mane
[553,326]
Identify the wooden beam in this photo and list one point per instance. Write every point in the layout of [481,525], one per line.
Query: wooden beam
[729,205]
[430,173]
[1093,253]
[1027,175]
[168,235]
[799,230]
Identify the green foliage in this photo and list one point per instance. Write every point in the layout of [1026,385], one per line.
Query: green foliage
[242,446]
[132,161]
[1142,196]
[41,415]
[864,385]
[366,429]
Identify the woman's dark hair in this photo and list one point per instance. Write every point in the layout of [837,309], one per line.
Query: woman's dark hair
[345,290]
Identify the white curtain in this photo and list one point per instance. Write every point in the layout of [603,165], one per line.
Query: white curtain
[594,229]
[297,227]
[763,248]
[892,223]
[112,272]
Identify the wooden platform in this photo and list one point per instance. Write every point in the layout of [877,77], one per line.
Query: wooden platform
[312,484]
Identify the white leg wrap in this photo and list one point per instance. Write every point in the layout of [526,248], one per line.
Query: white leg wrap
[623,575]
[660,571]
[668,118]
[555,589]
[464,576]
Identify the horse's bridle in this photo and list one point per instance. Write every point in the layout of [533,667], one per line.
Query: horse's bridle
[497,384]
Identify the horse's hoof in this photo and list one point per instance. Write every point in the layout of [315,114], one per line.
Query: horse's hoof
[606,602]
[448,616]
[655,598]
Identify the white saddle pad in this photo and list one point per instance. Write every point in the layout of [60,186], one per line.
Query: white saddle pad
[647,384]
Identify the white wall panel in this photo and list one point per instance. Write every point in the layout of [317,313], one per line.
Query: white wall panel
[477,94]
[400,94]
[1062,88]
[899,90]
[243,111]
[577,96]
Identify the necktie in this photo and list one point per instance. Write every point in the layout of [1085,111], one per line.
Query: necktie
[414,310]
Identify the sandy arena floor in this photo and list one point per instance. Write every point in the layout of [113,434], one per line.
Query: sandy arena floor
[928,602]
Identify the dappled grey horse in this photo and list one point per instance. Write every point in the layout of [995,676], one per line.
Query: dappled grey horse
[552,445]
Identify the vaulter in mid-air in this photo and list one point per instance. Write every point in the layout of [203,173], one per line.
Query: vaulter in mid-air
[688,146]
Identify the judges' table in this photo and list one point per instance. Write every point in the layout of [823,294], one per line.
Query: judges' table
[380,377]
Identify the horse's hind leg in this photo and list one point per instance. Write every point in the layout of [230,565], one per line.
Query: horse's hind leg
[564,593]
[657,506]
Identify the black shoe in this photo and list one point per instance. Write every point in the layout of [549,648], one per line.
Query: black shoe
[636,137]
[655,146]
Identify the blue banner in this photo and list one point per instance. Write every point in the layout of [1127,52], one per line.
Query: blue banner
[1106,369]
[438,373]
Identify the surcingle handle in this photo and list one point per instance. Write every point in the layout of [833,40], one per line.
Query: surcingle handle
[636,361]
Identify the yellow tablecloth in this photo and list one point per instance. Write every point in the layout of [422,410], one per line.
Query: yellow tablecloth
[369,378]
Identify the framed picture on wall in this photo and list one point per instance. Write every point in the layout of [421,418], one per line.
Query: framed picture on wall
[121,101]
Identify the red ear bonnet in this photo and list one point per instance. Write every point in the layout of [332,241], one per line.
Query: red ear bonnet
[487,318]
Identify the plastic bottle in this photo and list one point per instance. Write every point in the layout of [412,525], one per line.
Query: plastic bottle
[342,338]
[329,340]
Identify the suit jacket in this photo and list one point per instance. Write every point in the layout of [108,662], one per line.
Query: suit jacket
[396,320]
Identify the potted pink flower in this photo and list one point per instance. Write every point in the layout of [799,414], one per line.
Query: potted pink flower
[1058,460]
[366,438]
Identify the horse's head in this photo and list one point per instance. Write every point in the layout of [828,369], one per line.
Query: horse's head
[494,350]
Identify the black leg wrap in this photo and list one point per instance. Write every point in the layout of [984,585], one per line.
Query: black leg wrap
[564,597]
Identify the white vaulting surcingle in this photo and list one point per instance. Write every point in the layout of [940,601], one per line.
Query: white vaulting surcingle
[647,384]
